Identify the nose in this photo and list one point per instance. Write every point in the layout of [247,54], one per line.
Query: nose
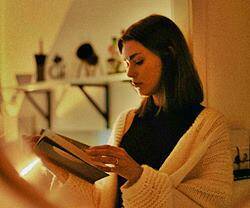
[131,72]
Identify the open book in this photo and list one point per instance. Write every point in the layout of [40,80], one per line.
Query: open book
[70,155]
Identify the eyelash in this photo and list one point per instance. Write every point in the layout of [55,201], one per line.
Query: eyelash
[139,62]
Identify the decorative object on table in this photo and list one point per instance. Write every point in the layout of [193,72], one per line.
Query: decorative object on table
[89,60]
[40,63]
[240,140]
[114,62]
[23,78]
[57,69]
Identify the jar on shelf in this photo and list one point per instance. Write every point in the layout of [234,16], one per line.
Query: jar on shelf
[57,69]
[114,61]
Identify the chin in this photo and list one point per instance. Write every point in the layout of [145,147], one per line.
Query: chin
[143,93]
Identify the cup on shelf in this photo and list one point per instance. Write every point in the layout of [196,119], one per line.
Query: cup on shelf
[24,78]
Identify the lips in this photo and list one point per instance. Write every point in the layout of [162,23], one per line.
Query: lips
[136,84]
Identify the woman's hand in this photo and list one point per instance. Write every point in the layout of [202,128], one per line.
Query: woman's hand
[59,172]
[116,160]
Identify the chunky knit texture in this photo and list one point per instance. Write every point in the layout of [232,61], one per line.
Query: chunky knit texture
[197,173]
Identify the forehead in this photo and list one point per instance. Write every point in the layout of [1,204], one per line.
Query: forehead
[131,47]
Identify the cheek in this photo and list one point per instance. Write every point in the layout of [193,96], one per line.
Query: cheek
[156,80]
[153,80]
[155,74]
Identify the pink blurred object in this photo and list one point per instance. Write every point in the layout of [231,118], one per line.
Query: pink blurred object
[23,78]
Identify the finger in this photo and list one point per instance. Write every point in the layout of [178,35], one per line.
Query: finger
[108,151]
[105,159]
[108,168]
[100,147]
[104,153]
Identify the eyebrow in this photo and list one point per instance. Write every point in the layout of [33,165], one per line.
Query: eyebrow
[131,57]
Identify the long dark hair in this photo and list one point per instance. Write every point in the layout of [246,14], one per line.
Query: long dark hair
[179,81]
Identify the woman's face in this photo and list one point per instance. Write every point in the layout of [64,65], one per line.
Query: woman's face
[143,66]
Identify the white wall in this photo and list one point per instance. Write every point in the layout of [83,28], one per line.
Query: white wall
[23,24]
[97,21]
[221,48]
[63,26]
[26,22]
[2,6]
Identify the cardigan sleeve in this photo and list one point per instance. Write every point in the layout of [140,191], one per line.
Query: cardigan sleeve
[210,185]
[78,193]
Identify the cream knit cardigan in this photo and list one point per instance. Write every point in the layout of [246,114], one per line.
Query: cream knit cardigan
[197,173]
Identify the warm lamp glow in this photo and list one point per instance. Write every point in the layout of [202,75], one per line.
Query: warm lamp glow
[12,110]
[29,167]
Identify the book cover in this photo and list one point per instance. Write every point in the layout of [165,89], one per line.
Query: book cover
[70,155]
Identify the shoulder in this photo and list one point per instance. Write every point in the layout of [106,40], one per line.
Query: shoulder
[210,115]
[129,119]
[121,125]
[125,119]
[214,116]
[211,123]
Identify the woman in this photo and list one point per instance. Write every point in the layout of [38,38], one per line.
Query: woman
[171,151]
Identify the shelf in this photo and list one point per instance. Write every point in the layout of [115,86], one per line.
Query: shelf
[48,86]
[52,84]
[118,77]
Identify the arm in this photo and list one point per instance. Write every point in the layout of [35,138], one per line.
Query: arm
[214,178]
[209,184]
[84,193]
